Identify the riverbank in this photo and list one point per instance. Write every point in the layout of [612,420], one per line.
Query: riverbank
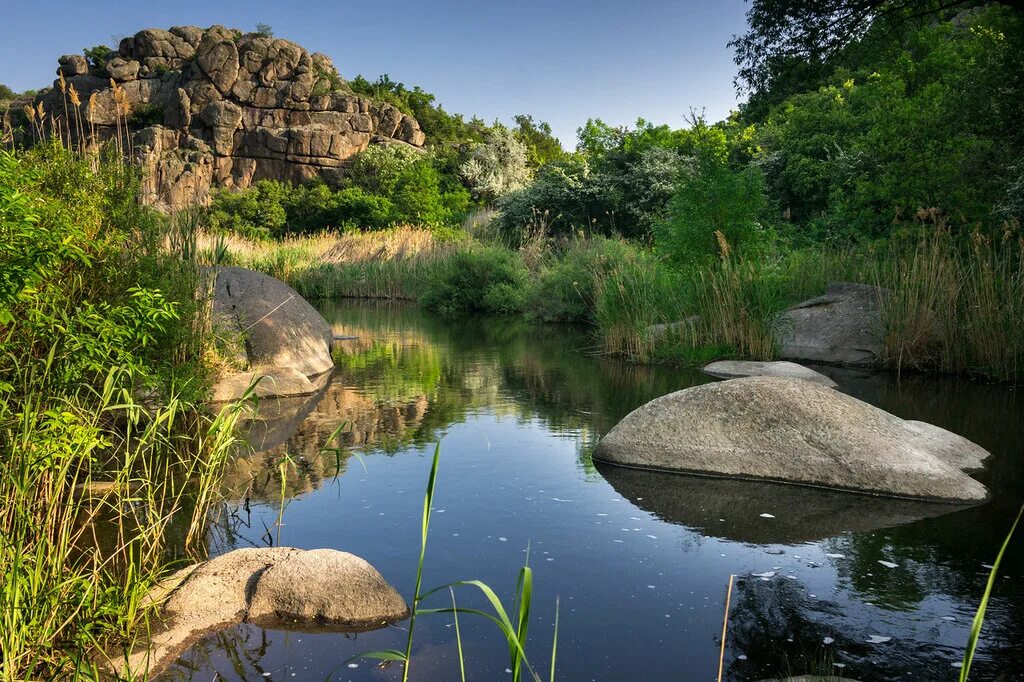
[957,304]
[107,461]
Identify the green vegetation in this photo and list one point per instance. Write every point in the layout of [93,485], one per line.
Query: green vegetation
[514,628]
[101,364]
[895,161]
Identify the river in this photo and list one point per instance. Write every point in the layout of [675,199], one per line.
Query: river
[826,583]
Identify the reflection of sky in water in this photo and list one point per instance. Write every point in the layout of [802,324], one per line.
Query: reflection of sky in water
[641,597]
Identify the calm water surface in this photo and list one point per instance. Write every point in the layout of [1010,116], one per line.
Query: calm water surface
[638,561]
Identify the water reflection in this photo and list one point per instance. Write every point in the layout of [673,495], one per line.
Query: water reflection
[760,512]
[639,560]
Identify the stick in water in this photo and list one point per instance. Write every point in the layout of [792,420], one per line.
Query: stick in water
[725,624]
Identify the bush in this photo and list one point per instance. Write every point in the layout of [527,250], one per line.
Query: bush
[256,212]
[489,280]
[715,208]
[565,289]
[498,166]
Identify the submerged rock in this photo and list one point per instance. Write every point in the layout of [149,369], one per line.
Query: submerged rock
[277,334]
[732,369]
[794,431]
[279,587]
[842,327]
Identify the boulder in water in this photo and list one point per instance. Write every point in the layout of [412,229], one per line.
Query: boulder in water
[794,431]
[733,369]
[279,587]
[278,334]
[841,327]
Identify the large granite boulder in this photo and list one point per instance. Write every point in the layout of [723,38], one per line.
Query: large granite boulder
[733,369]
[279,587]
[795,431]
[229,108]
[843,326]
[280,340]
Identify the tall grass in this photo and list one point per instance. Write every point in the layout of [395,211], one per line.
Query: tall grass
[93,487]
[957,307]
[384,264]
[107,464]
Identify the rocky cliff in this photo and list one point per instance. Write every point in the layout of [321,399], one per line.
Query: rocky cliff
[216,107]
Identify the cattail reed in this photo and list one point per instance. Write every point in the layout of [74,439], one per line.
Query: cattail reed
[76,102]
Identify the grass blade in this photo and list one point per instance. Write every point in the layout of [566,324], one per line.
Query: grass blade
[979,617]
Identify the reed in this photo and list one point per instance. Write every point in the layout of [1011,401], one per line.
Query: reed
[979,616]
[513,628]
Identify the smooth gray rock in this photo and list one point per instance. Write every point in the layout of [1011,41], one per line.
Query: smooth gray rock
[843,327]
[794,431]
[280,329]
[279,587]
[733,369]
[656,332]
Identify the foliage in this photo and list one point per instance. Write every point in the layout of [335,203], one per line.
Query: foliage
[487,280]
[387,185]
[265,30]
[542,147]
[926,126]
[94,315]
[498,166]
[715,207]
[565,288]
[621,189]
[438,125]
[786,37]
[98,56]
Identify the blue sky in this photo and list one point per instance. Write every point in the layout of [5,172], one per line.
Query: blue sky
[560,61]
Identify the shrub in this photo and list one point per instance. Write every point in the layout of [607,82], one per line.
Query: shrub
[498,166]
[565,289]
[712,202]
[256,212]
[476,280]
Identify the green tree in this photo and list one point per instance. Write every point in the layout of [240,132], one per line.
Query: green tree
[542,146]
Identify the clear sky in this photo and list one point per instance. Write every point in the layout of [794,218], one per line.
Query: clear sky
[561,61]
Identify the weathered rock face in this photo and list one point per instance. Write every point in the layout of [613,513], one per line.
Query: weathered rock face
[216,107]
[794,431]
[841,327]
[283,338]
[732,369]
[277,587]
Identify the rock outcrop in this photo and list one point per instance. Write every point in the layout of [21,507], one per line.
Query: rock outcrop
[733,369]
[216,107]
[278,587]
[795,431]
[842,327]
[276,336]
